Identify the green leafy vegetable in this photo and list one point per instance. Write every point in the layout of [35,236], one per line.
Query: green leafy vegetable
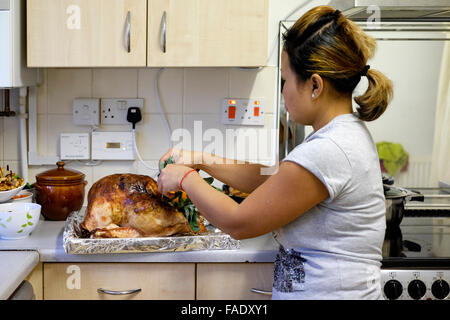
[181,201]
[28,186]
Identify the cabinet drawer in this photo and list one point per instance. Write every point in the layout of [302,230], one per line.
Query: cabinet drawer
[233,281]
[157,281]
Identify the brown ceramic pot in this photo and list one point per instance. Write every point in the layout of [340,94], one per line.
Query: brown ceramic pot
[60,192]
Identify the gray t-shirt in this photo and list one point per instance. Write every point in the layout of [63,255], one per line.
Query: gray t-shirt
[333,251]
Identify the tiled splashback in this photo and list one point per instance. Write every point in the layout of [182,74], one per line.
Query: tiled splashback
[187,94]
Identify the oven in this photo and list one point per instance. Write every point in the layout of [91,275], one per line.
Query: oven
[416,250]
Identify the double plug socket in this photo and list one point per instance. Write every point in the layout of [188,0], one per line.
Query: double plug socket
[114,111]
[93,112]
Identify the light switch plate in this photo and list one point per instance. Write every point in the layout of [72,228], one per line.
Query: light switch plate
[114,111]
[75,146]
[86,112]
[243,112]
[112,146]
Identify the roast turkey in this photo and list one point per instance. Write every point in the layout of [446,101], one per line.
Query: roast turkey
[130,206]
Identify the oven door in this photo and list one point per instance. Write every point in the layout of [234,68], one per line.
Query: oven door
[430,237]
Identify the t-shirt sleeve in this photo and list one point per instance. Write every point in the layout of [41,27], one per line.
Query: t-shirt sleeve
[327,161]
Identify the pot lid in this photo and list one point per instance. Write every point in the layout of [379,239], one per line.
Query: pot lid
[394,193]
[60,175]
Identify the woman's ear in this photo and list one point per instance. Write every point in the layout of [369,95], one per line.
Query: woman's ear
[317,85]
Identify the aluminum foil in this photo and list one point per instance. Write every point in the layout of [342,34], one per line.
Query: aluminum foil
[73,243]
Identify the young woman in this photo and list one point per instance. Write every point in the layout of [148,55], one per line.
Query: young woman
[325,204]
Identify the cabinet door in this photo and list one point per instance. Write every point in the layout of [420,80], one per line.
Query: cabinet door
[233,281]
[200,33]
[157,281]
[86,33]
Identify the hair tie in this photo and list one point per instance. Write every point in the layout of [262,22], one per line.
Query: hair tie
[336,14]
[364,71]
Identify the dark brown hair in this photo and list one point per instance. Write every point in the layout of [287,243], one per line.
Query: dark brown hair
[325,42]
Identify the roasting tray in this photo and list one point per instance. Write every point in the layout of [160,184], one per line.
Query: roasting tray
[73,243]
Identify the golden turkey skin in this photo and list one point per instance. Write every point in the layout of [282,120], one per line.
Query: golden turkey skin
[130,206]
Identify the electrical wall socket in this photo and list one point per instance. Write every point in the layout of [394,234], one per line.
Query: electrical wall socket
[243,112]
[114,111]
[86,112]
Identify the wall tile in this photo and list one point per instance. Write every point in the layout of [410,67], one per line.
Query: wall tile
[257,144]
[188,94]
[250,83]
[35,170]
[204,89]
[42,93]
[151,168]
[113,167]
[42,134]
[170,88]
[65,85]
[151,135]
[115,83]
[230,140]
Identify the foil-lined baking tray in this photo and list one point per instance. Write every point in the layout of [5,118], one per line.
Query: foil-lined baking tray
[74,243]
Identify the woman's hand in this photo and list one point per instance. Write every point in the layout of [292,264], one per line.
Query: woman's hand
[183,157]
[170,177]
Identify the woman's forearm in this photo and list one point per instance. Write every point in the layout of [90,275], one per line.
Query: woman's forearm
[245,177]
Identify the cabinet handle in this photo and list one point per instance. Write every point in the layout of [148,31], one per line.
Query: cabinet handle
[259,291]
[118,293]
[163,31]
[128,33]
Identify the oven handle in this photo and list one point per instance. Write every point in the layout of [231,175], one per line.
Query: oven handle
[417,197]
[411,246]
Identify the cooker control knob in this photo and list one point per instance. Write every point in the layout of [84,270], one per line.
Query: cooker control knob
[440,289]
[417,289]
[393,289]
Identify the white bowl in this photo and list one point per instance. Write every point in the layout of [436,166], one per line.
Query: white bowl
[25,196]
[7,195]
[18,220]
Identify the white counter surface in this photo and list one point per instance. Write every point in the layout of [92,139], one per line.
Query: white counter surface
[47,241]
[14,267]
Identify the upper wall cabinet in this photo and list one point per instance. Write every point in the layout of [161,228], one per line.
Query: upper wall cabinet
[86,33]
[201,33]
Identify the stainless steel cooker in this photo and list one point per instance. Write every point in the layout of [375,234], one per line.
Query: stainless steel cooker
[416,250]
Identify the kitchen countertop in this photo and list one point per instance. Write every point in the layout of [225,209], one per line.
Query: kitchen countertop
[45,244]
[47,241]
[14,267]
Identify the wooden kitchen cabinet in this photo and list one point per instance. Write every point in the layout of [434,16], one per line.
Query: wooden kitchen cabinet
[158,281]
[233,281]
[201,33]
[86,33]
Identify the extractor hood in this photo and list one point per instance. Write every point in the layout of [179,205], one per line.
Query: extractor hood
[395,10]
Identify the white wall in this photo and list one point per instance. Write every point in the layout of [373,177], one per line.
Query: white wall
[413,67]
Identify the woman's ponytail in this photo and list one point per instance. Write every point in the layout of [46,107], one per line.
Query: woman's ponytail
[375,100]
[325,42]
